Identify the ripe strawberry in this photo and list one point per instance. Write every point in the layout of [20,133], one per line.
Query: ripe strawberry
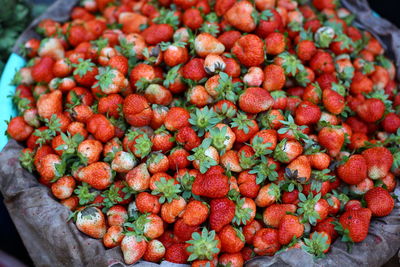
[231,259]
[356,222]
[170,211]
[177,253]
[301,166]
[247,184]
[273,214]
[49,104]
[40,71]
[85,73]
[379,201]
[332,139]
[255,100]
[354,170]
[240,16]
[212,184]
[249,49]
[270,21]
[101,127]
[371,110]
[222,212]
[307,113]
[379,161]
[177,118]
[183,231]
[268,195]
[232,239]
[274,77]
[194,69]
[98,175]
[91,221]
[117,215]
[266,242]
[333,101]
[206,44]
[137,110]
[133,248]
[147,203]
[18,129]
[113,237]
[195,213]
[289,227]
[391,123]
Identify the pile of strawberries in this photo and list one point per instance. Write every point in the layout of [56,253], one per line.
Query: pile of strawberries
[210,132]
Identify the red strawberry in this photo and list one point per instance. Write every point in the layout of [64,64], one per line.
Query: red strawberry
[289,227]
[249,49]
[328,227]
[98,175]
[18,129]
[333,101]
[41,71]
[379,161]
[91,221]
[391,123]
[63,187]
[273,214]
[266,242]
[155,251]
[255,100]
[371,110]
[354,170]
[183,231]
[379,201]
[332,139]
[113,236]
[240,16]
[196,212]
[49,104]
[307,113]
[222,212]
[177,253]
[232,239]
[231,259]
[212,184]
[102,129]
[301,165]
[85,73]
[357,223]
[137,110]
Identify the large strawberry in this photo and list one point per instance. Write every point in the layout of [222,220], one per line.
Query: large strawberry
[354,170]
[379,201]
[222,212]
[379,161]
[354,224]
[212,184]
[91,221]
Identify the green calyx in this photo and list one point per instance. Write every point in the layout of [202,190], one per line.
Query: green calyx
[186,181]
[242,215]
[203,120]
[307,208]
[218,137]
[316,245]
[260,147]
[167,189]
[324,36]
[279,152]
[71,143]
[246,162]
[167,16]
[242,122]
[202,246]
[291,64]
[226,89]
[83,67]
[27,160]
[137,227]
[263,170]
[171,76]
[143,145]
[111,197]
[84,194]
[205,161]
[105,78]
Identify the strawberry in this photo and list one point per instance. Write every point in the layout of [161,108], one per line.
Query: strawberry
[274,213]
[247,184]
[255,100]
[232,239]
[101,127]
[362,187]
[354,170]
[98,175]
[203,246]
[137,110]
[176,118]
[354,224]
[222,212]
[195,213]
[170,211]
[63,187]
[155,251]
[147,203]
[50,166]
[231,259]
[183,231]
[117,215]
[49,104]
[176,253]
[194,69]
[133,248]
[240,16]
[274,77]
[40,71]
[212,184]
[391,123]
[332,139]
[91,221]
[361,84]
[18,129]
[85,72]
[266,242]
[268,195]
[289,227]
[113,236]
[249,49]
[333,101]
[206,44]
[379,161]
[379,201]
[327,226]
[371,110]
[301,167]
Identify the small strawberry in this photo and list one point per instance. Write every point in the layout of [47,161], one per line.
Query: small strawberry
[273,214]
[137,110]
[379,201]
[155,251]
[212,184]
[266,242]
[133,248]
[113,237]
[231,259]
[371,110]
[332,139]
[18,129]
[196,212]
[63,187]
[85,72]
[249,49]
[354,170]
[301,166]
[98,175]
[49,104]
[255,100]
[203,246]
[91,221]
[379,161]
[183,231]
[117,215]
[240,16]
[354,225]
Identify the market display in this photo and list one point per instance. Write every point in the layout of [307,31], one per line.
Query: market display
[207,132]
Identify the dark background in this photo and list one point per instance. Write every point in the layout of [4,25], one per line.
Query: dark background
[9,239]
